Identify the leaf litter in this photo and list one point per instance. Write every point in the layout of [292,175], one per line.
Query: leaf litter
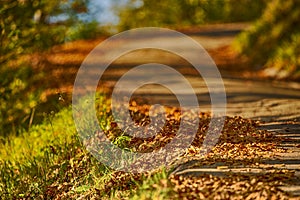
[240,144]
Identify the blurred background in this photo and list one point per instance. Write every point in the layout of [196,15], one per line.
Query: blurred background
[43,43]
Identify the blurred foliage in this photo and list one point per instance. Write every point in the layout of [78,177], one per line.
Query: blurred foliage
[18,102]
[85,30]
[28,26]
[175,13]
[273,41]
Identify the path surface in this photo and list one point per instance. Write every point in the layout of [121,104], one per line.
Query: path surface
[275,104]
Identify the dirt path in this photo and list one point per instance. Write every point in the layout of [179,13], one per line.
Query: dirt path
[275,104]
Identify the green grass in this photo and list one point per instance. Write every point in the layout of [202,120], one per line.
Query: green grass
[36,160]
[155,187]
[49,161]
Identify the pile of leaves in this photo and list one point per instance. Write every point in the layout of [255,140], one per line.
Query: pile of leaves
[239,139]
[240,144]
[234,187]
